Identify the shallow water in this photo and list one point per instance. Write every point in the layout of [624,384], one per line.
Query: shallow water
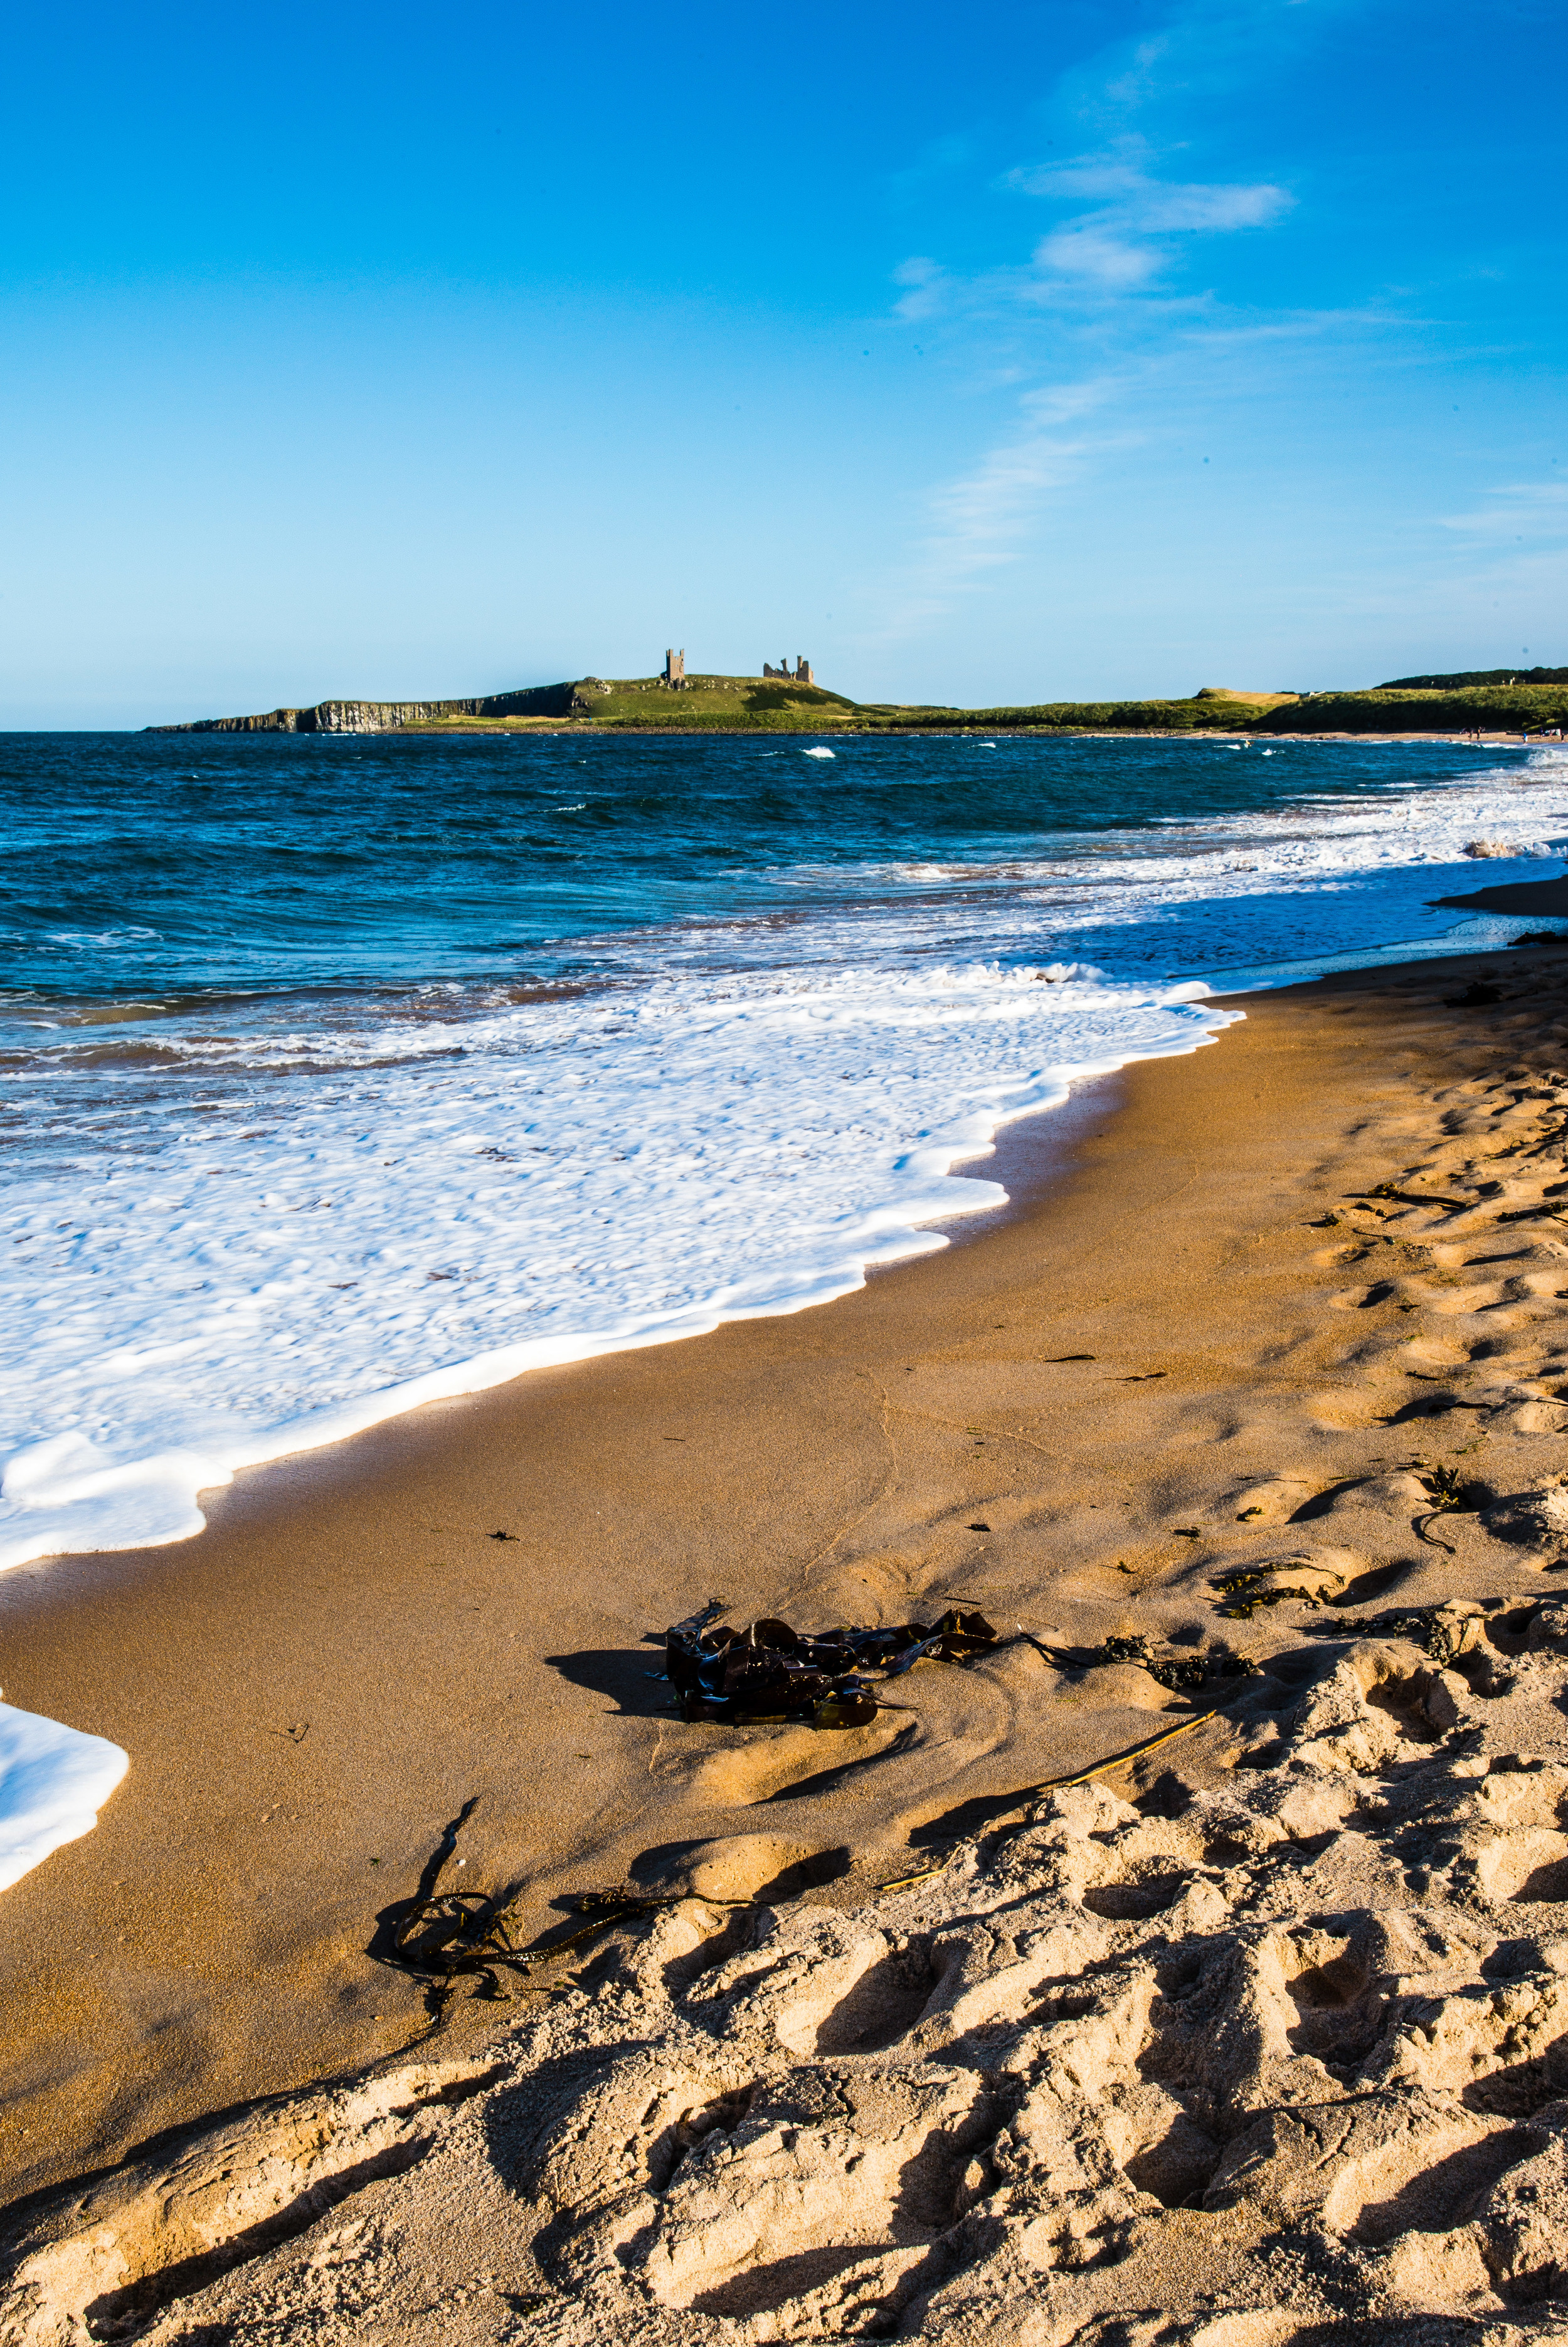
[339,1073]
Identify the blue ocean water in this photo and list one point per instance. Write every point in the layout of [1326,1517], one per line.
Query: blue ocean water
[337,1072]
[203,864]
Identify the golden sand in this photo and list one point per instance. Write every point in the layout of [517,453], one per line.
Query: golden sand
[349,1660]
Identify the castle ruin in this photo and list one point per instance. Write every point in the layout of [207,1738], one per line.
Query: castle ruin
[803,674]
[675,670]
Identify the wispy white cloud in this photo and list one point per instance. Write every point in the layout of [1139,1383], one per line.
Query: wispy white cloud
[1120,247]
[1106,288]
[1121,244]
[926,283]
[1515,512]
[993,512]
[1096,253]
[986,516]
[1132,232]
[1133,193]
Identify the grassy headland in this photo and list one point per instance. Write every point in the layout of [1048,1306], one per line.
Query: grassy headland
[746,704]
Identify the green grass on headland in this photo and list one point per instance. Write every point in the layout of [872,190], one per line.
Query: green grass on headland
[749,705]
[745,704]
[1486,709]
[727,701]
[1474,676]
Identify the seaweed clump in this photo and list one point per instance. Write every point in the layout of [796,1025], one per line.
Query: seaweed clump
[769,1672]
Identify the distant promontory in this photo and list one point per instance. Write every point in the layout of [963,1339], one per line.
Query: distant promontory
[780,700]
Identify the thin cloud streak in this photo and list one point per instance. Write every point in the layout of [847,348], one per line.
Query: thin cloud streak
[1117,247]
[1124,286]
[1522,509]
[991,515]
[986,517]
[1124,240]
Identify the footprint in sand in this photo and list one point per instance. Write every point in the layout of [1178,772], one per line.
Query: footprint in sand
[762,1769]
[735,1867]
[1272,1503]
[1535,1519]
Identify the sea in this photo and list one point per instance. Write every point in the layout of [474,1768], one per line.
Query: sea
[340,1074]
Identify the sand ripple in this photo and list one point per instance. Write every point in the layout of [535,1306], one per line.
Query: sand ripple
[1285,2044]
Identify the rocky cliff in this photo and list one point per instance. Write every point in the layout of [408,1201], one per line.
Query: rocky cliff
[386,716]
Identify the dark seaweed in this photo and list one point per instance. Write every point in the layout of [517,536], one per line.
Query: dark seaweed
[768,1671]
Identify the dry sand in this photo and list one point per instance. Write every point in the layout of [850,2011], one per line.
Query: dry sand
[1253,2037]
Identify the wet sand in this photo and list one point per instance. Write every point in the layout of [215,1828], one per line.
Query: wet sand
[1524,898]
[349,1660]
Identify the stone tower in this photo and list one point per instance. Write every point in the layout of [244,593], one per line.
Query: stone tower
[675,668]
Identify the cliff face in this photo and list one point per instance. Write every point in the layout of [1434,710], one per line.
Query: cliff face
[385,716]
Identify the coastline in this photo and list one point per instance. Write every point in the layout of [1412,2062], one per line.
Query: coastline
[316,1688]
[295,1345]
[551,727]
[914,1196]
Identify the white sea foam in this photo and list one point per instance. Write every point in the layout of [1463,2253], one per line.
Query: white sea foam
[376,1218]
[231,1238]
[319,1225]
[1117,877]
[53,1782]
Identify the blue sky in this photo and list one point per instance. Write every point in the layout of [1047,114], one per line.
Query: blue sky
[1036,352]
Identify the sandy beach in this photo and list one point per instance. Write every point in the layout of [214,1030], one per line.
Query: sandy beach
[1195,1346]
